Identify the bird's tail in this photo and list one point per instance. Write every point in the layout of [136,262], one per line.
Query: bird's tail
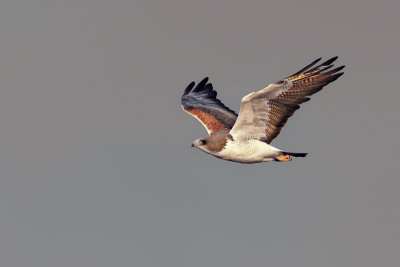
[285,156]
[295,154]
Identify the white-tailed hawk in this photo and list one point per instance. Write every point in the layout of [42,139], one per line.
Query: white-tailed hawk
[246,137]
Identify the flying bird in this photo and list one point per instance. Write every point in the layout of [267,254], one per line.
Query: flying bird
[246,137]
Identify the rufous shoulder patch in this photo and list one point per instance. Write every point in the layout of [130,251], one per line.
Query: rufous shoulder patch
[210,122]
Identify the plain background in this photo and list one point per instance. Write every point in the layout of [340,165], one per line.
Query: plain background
[95,159]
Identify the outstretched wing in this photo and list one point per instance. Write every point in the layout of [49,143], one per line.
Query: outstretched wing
[263,113]
[202,103]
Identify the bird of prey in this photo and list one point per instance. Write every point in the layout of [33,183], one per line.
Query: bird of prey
[246,137]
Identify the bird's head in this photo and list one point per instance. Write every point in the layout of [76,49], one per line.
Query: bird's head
[199,143]
[213,143]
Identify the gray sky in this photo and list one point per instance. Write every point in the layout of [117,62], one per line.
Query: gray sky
[96,165]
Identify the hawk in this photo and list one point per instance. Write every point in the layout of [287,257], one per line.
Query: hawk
[246,137]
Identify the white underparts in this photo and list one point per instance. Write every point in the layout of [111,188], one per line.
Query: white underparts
[250,151]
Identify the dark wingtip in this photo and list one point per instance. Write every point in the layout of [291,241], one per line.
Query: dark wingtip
[316,61]
[334,77]
[329,61]
[322,67]
[201,85]
[188,88]
[338,69]
[306,67]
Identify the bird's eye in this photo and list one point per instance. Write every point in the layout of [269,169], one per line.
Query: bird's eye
[202,142]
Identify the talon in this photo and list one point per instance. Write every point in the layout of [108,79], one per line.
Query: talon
[283,158]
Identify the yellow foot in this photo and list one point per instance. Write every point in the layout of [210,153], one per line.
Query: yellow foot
[283,158]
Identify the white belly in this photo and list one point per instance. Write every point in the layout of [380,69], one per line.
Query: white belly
[250,151]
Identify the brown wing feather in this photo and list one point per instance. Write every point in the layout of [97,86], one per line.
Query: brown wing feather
[303,84]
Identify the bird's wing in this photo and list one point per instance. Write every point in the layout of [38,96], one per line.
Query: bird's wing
[263,113]
[202,103]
